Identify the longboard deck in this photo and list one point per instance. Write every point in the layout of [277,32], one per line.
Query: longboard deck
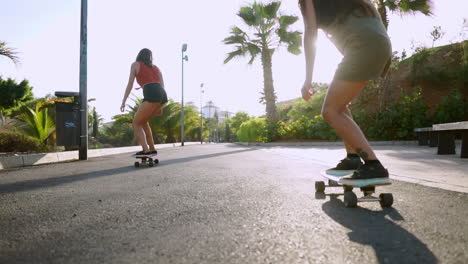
[145,156]
[342,178]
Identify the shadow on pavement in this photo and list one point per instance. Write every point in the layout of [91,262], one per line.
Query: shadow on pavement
[207,156]
[55,181]
[392,243]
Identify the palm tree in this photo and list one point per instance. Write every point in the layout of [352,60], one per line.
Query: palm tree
[8,52]
[402,7]
[37,123]
[269,31]
[94,121]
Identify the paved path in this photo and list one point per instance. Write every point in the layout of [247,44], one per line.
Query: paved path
[409,163]
[217,204]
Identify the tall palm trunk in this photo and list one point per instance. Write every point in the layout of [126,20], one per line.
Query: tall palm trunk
[268,89]
[383,13]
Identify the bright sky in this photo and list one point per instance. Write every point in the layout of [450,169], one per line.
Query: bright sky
[46,34]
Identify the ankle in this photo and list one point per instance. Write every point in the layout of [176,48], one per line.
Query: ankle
[352,156]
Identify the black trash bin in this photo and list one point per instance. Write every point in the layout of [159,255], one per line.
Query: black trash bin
[68,120]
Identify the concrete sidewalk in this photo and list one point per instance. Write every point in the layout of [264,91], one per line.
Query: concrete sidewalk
[407,162]
[15,161]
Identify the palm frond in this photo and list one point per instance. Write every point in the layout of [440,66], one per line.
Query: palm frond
[254,50]
[413,6]
[248,16]
[236,53]
[286,21]
[8,52]
[37,123]
[270,11]
[293,40]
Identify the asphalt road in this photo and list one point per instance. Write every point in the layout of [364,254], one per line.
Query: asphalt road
[217,204]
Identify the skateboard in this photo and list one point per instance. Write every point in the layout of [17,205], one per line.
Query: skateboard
[341,179]
[149,160]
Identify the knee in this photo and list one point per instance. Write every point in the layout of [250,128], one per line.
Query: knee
[136,124]
[328,114]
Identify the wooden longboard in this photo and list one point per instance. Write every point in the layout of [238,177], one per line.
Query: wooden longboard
[149,160]
[338,178]
[343,178]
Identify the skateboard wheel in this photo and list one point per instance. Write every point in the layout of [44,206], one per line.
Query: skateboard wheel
[137,164]
[350,199]
[347,188]
[386,199]
[319,186]
[156,161]
[151,163]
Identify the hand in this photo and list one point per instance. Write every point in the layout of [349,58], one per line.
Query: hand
[307,91]
[122,107]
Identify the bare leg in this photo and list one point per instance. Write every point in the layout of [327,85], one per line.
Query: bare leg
[335,112]
[149,136]
[144,113]
[349,149]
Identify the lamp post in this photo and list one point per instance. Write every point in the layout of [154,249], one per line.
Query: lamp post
[210,103]
[83,149]
[182,119]
[201,113]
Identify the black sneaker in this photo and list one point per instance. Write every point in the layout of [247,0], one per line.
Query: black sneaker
[142,153]
[154,152]
[370,171]
[348,164]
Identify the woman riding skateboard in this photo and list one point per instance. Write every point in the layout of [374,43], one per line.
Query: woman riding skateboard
[356,29]
[149,77]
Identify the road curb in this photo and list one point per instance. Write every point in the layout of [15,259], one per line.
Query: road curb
[325,144]
[9,162]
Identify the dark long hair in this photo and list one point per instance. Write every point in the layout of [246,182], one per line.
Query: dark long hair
[146,57]
[329,11]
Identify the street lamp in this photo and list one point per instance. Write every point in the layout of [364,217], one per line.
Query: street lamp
[182,119]
[83,150]
[201,113]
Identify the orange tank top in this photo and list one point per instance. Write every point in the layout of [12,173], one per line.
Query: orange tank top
[148,75]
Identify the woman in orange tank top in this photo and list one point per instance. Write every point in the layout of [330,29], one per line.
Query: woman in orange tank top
[149,77]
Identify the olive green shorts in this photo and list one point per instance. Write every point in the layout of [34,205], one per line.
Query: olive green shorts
[365,46]
[365,58]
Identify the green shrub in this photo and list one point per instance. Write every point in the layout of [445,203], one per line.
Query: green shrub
[17,142]
[302,128]
[315,128]
[322,130]
[397,120]
[253,130]
[452,108]
[118,135]
[285,131]
[309,108]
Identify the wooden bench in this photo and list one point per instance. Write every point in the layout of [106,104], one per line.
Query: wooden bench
[426,136]
[446,137]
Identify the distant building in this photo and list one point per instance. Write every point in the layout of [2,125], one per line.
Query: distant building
[209,110]
[223,115]
[190,104]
